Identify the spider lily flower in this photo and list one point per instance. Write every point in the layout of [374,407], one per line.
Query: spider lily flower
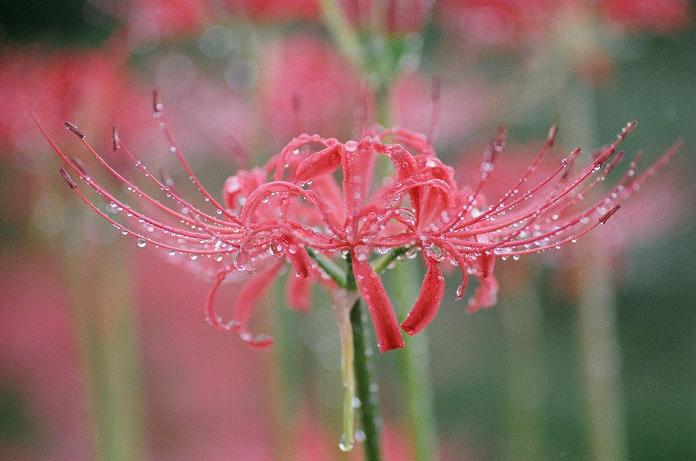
[318,201]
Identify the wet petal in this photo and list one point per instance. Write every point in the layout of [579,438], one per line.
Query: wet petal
[380,306]
[486,295]
[249,296]
[429,299]
[298,292]
[319,164]
[299,259]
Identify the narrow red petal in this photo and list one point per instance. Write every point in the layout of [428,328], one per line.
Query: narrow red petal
[299,292]
[380,306]
[249,297]
[319,164]
[300,260]
[486,295]
[429,299]
[211,314]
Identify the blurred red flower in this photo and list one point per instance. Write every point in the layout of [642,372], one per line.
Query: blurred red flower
[92,86]
[515,23]
[305,86]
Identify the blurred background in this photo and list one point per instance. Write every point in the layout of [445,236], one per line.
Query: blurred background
[104,350]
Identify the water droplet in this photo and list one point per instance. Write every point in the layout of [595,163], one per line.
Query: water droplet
[362,252]
[434,252]
[345,445]
[460,292]
[360,436]
[142,242]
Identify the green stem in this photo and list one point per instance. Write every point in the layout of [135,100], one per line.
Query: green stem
[107,339]
[381,263]
[522,331]
[596,329]
[366,389]
[343,301]
[343,33]
[331,268]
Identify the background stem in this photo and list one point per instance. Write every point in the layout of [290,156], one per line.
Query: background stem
[108,346]
[596,329]
[522,323]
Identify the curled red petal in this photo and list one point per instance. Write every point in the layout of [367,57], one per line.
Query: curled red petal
[249,296]
[486,295]
[319,164]
[211,314]
[380,306]
[263,191]
[239,186]
[429,299]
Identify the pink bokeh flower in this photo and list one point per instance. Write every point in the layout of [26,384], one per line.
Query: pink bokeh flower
[92,86]
[319,199]
[515,23]
[306,87]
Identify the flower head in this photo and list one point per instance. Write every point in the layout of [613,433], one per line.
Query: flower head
[320,200]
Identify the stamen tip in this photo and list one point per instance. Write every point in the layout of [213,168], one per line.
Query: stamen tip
[67,178]
[296,102]
[72,127]
[553,130]
[156,103]
[609,214]
[116,140]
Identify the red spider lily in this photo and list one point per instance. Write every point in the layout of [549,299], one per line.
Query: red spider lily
[294,210]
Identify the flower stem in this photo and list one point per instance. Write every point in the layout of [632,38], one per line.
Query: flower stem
[381,263]
[330,267]
[342,302]
[366,389]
